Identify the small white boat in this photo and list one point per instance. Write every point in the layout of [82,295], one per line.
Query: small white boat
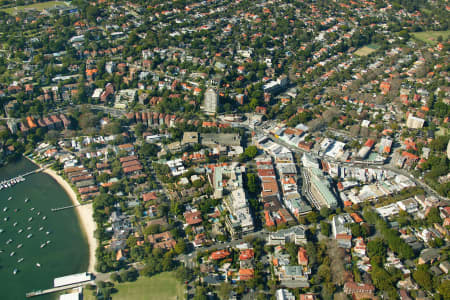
[5,208]
[15,271]
[1,230]
[38,213]
[19,246]
[9,241]
[15,224]
[9,198]
[44,218]
[5,219]
[20,260]
[30,235]
[31,209]
[1,251]
[29,228]
[20,231]
[47,233]
[38,265]
[30,219]
[48,242]
[43,245]
[26,200]
[12,253]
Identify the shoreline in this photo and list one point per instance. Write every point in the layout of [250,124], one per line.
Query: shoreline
[84,214]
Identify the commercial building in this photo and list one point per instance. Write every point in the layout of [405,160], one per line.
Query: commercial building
[294,235]
[341,232]
[414,122]
[319,188]
[211,101]
[239,219]
[72,279]
[283,294]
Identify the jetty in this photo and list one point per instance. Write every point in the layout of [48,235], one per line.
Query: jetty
[57,289]
[20,178]
[64,283]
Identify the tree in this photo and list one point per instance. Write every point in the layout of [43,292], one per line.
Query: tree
[224,290]
[183,274]
[180,247]
[312,217]
[251,151]
[252,183]
[115,277]
[325,212]
[444,289]
[148,150]
[433,216]
[325,228]
[376,247]
[423,277]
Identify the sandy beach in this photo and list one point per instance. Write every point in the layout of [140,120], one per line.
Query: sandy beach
[84,214]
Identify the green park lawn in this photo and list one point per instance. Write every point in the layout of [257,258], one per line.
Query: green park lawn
[158,287]
[38,6]
[430,37]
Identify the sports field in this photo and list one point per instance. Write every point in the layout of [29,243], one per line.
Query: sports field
[366,50]
[38,6]
[430,37]
[158,287]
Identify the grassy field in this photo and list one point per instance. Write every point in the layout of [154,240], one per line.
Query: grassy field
[430,37]
[38,6]
[366,50]
[158,287]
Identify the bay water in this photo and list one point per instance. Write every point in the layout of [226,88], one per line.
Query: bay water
[56,241]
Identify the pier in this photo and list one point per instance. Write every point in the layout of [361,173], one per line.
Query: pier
[57,289]
[65,207]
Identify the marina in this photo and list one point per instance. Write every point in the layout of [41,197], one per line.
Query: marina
[13,181]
